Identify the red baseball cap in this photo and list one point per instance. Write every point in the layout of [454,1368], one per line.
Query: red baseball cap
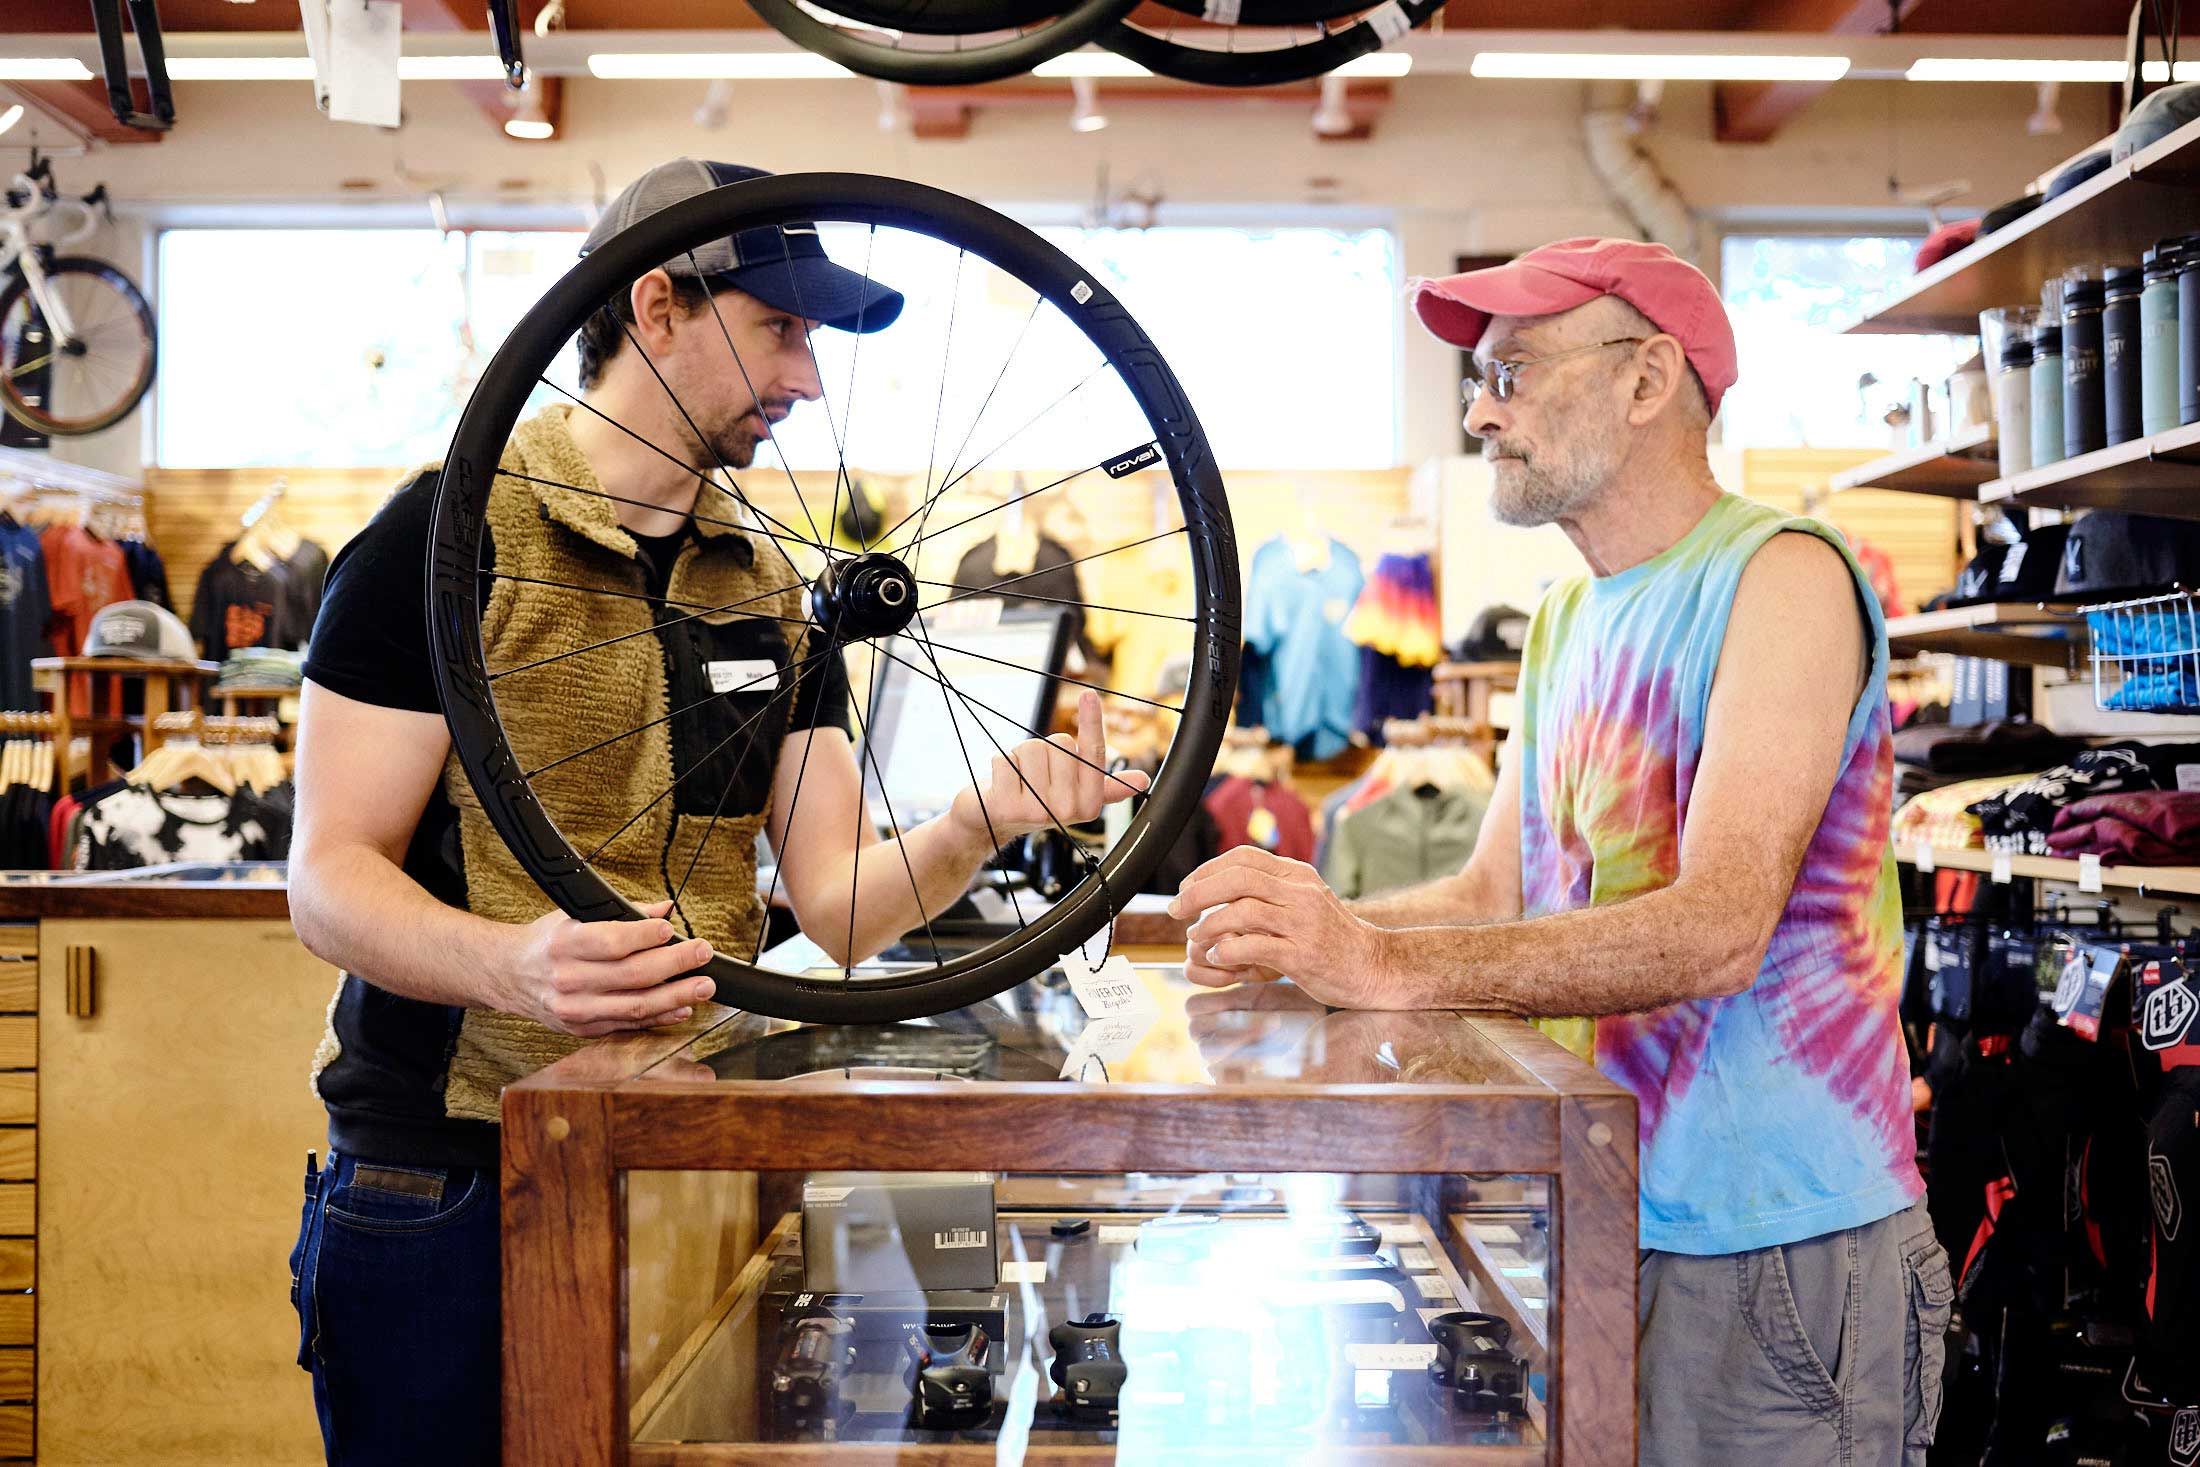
[1674,294]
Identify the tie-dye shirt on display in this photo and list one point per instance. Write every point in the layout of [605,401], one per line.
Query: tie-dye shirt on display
[1782,1112]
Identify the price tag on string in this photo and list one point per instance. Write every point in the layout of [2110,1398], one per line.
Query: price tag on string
[1102,1045]
[1921,856]
[2089,873]
[2002,864]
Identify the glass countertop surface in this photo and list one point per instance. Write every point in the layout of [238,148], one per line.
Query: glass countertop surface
[1177,1033]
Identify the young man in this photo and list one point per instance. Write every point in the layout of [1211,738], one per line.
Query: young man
[460,975]
[1689,839]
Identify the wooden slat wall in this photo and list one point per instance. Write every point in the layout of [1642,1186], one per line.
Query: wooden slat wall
[1918,531]
[18,1187]
[191,513]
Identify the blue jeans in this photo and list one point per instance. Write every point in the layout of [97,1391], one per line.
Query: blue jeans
[395,1279]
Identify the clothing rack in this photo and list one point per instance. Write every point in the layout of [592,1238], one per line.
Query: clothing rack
[1433,729]
[206,729]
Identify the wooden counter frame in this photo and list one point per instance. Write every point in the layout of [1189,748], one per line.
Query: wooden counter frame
[571,1130]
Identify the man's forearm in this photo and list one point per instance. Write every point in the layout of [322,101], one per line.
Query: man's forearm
[1623,958]
[354,908]
[1454,901]
[898,885]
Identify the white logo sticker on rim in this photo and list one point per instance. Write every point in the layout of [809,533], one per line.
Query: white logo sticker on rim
[1080,292]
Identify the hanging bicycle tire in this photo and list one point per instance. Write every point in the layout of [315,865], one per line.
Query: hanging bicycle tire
[1264,56]
[948,17]
[93,380]
[1089,393]
[965,58]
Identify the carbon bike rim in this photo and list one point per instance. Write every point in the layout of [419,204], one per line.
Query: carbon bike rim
[1250,55]
[994,303]
[995,50]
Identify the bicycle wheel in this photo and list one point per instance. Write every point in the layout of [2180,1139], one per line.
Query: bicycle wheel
[94,379]
[1007,43]
[1263,56]
[1008,359]
[1254,13]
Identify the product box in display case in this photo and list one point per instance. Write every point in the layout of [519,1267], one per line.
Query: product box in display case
[1278,1233]
[880,1231]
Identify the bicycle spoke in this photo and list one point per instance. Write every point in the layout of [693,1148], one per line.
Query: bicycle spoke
[1073,682]
[793,621]
[802,312]
[643,632]
[1007,719]
[871,757]
[962,746]
[678,780]
[765,519]
[970,432]
[855,354]
[727,333]
[794,803]
[529,775]
[701,519]
[1065,565]
[939,404]
[925,535]
[1065,601]
[1029,423]
[1077,849]
[708,446]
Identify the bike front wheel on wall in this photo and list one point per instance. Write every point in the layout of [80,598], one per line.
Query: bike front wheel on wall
[1013,388]
[94,375]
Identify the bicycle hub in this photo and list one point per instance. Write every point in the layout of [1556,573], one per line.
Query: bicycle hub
[870,595]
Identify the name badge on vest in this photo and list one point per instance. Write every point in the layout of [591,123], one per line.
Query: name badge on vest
[758,676]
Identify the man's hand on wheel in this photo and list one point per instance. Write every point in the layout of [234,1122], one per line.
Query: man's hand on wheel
[591,978]
[1043,782]
[1261,917]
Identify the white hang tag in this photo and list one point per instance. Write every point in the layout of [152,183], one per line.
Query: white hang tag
[363,46]
[1102,1045]
[759,675]
[2089,873]
[1922,856]
[2002,865]
[1024,1271]
[1112,990]
[1433,1286]
[1415,1260]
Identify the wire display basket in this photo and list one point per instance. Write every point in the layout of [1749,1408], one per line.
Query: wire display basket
[2146,654]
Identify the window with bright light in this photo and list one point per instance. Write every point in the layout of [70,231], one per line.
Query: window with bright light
[335,348]
[1803,384]
[359,347]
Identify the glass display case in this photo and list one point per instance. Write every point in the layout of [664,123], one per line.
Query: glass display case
[1224,1226]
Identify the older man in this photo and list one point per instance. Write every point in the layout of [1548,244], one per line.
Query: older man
[1689,840]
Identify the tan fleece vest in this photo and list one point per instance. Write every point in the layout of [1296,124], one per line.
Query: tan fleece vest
[549,712]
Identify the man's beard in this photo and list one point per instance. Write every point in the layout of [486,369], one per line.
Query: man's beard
[1536,492]
[735,444]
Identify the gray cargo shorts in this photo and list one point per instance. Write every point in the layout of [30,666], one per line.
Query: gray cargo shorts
[1827,1351]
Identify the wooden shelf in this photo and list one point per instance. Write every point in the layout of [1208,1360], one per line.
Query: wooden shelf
[2152,880]
[2036,636]
[2110,218]
[2158,475]
[1953,469]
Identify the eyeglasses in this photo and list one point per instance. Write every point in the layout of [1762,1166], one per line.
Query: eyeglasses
[1502,374]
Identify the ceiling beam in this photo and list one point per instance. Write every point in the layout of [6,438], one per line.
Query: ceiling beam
[81,108]
[1752,112]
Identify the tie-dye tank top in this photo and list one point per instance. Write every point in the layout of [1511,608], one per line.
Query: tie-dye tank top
[1782,1112]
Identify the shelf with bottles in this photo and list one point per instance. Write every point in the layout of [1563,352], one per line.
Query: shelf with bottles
[2114,215]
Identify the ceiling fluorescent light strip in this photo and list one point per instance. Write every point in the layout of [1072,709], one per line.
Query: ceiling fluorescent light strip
[1096,65]
[1655,66]
[43,68]
[2037,69]
[713,65]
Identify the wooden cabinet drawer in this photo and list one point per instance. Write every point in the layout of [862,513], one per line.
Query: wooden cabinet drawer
[18,1319]
[19,1042]
[15,1431]
[18,1153]
[18,1209]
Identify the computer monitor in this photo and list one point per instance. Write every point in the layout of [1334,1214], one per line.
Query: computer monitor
[1003,669]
